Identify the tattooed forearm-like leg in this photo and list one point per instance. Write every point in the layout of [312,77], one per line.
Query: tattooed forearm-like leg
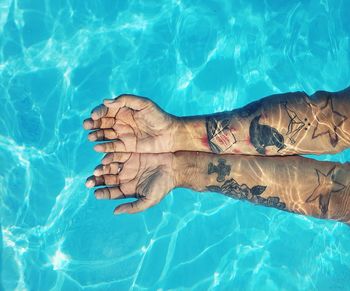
[295,184]
[284,124]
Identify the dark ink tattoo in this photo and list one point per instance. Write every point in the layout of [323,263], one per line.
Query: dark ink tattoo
[232,189]
[328,120]
[295,123]
[221,169]
[326,186]
[262,136]
[220,137]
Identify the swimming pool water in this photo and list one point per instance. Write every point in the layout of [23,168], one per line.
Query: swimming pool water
[60,58]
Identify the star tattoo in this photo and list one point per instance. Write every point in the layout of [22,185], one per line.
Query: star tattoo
[325,188]
[328,121]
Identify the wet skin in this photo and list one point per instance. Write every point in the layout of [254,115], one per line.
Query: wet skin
[141,139]
[267,181]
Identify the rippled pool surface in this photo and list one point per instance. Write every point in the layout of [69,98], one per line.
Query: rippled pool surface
[60,58]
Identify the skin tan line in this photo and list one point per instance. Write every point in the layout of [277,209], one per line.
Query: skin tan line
[242,153]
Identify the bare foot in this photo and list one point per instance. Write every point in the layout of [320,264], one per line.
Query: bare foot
[146,177]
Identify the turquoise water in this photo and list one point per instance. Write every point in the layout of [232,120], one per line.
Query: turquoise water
[59,59]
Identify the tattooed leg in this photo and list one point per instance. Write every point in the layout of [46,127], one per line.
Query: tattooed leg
[294,184]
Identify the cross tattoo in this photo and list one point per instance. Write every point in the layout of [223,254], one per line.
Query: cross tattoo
[221,169]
